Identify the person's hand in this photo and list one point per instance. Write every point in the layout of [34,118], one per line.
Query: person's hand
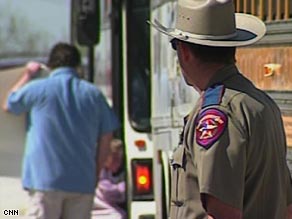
[32,68]
[122,186]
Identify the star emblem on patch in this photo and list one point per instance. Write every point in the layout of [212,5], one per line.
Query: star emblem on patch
[210,125]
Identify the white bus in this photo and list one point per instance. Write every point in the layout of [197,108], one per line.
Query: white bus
[137,70]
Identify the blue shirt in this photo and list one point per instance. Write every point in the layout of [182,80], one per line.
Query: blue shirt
[67,117]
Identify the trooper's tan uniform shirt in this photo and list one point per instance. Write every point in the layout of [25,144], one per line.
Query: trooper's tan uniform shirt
[233,148]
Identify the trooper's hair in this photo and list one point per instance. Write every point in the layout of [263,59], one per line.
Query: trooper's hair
[64,55]
[217,54]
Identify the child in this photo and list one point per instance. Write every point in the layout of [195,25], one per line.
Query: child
[110,191]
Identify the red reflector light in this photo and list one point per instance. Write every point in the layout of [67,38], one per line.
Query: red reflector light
[142,179]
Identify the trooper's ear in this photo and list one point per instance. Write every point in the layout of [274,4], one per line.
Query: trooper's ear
[184,51]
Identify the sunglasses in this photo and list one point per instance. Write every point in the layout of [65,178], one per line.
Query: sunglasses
[174,43]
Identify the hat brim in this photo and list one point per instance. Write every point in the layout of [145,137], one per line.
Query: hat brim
[249,29]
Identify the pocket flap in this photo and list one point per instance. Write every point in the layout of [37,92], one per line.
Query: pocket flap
[178,157]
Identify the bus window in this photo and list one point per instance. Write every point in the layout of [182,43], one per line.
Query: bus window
[138,42]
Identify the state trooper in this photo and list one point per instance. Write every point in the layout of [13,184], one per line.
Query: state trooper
[231,163]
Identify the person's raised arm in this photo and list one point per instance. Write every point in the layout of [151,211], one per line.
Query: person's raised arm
[31,69]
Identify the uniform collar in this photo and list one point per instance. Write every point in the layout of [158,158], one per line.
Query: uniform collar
[64,71]
[223,74]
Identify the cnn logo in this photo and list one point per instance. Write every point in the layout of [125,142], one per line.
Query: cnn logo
[10,212]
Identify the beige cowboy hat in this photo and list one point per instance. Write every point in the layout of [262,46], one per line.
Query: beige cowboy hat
[213,23]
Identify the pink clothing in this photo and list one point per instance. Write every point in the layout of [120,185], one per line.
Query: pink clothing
[109,195]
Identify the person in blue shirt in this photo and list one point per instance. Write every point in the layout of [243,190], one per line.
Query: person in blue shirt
[70,129]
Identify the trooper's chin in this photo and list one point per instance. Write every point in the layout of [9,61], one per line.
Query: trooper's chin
[187,82]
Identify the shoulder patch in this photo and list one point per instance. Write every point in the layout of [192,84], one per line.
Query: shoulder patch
[213,96]
[210,125]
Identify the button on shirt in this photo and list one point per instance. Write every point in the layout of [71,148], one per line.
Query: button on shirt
[67,117]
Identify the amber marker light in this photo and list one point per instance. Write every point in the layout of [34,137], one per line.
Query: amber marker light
[140,144]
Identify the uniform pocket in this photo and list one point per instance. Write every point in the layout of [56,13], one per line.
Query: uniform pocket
[178,177]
